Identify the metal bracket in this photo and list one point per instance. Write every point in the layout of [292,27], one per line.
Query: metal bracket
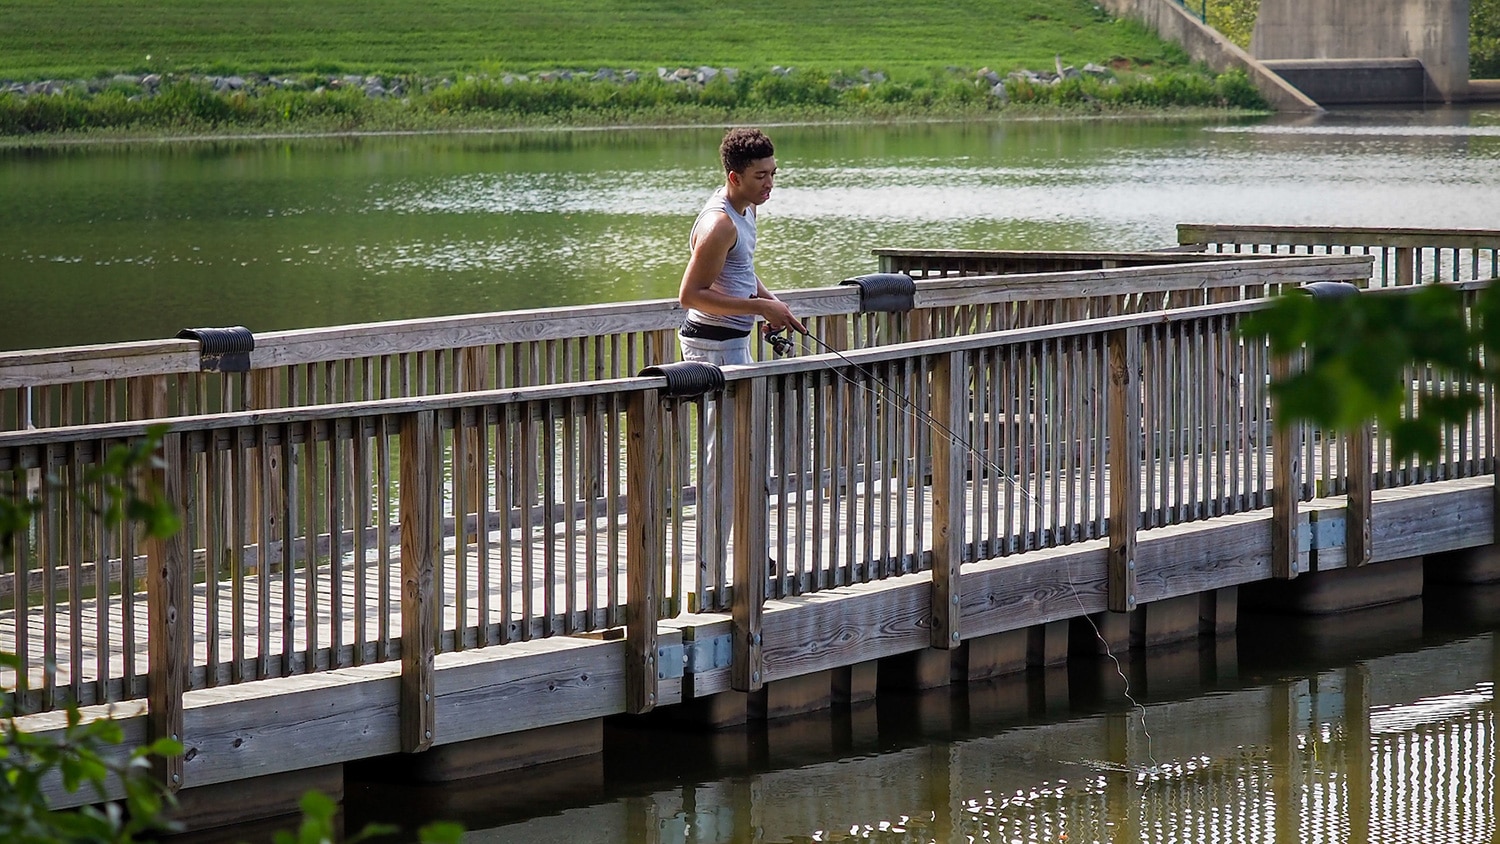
[669,662]
[710,654]
[1325,531]
[694,656]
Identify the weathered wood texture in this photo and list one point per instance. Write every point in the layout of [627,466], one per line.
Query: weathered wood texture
[1402,256]
[92,384]
[529,510]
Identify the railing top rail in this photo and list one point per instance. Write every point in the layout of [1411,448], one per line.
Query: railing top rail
[1371,236]
[1170,254]
[449,401]
[282,348]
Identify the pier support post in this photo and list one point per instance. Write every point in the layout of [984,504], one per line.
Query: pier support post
[1286,459]
[1124,454]
[421,538]
[1358,496]
[646,545]
[750,533]
[950,408]
[169,604]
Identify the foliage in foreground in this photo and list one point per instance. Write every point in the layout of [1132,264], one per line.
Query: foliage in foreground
[194,106]
[1360,350]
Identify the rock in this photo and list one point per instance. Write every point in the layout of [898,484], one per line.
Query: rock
[604,74]
[731,73]
[662,73]
[565,75]
[631,76]
[374,92]
[706,74]
[235,83]
[151,80]
[1095,70]
[1070,72]
[999,92]
[781,71]
[683,74]
[989,76]
[126,79]
[508,79]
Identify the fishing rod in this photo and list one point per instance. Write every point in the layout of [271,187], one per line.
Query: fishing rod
[783,345]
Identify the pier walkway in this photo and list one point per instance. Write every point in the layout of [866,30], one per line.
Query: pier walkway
[404,536]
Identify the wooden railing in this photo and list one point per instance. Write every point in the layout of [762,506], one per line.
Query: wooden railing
[1402,256]
[134,381]
[339,535]
[946,263]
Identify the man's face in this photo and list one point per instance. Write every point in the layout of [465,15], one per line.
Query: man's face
[757,179]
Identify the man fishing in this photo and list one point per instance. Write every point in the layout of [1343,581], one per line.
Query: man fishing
[720,290]
[724,297]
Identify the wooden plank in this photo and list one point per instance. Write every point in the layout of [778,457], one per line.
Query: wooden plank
[421,479]
[645,545]
[950,415]
[750,524]
[1123,429]
[169,603]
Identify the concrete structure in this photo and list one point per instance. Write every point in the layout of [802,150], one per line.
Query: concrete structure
[1172,22]
[1434,32]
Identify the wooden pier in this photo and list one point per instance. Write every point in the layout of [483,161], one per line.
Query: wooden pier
[403,538]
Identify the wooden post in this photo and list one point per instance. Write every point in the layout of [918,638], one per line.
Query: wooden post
[750,527]
[1124,458]
[950,410]
[1357,507]
[1286,461]
[168,604]
[421,535]
[645,548]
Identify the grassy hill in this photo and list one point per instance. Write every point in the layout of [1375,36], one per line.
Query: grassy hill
[41,39]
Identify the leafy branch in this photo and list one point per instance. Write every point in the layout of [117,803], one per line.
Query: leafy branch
[1369,357]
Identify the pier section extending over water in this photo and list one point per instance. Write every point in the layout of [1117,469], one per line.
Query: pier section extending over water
[472,538]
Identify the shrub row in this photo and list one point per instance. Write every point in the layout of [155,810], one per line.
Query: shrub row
[186,105]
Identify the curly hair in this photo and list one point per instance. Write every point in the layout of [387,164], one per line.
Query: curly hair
[742,146]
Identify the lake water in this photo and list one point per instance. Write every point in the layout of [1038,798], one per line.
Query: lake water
[1373,726]
[1386,735]
[113,242]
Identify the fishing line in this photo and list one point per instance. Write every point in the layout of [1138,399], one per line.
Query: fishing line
[782,345]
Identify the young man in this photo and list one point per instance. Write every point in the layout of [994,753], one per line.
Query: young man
[723,295]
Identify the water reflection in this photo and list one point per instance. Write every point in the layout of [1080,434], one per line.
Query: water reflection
[1376,726]
[115,242]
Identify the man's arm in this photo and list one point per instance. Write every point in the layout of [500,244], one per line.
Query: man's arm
[715,238]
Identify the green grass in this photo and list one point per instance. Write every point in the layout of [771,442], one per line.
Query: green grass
[42,39]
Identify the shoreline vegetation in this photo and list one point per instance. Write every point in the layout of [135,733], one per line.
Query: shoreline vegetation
[114,70]
[165,105]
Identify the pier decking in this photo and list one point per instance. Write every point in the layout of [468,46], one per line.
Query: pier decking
[403,537]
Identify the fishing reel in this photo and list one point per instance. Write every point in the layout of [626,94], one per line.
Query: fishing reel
[781,344]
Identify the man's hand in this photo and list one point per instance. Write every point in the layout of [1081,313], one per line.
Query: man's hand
[778,316]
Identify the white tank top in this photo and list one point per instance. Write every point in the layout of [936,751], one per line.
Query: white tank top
[737,279]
